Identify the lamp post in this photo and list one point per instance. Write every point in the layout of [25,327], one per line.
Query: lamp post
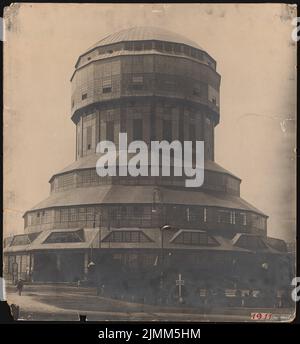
[162,228]
[96,273]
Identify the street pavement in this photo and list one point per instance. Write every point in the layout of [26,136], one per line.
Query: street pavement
[61,302]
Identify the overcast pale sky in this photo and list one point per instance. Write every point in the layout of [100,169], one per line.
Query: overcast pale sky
[255,56]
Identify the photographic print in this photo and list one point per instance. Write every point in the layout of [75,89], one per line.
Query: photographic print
[150,162]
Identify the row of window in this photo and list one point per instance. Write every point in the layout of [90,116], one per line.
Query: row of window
[143,73]
[231,217]
[176,85]
[89,177]
[145,216]
[39,217]
[184,129]
[160,46]
[139,130]
[170,122]
[151,67]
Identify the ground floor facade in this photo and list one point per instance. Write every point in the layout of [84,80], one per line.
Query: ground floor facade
[152,264]
[150,276]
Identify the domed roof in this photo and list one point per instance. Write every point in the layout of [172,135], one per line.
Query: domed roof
[143,33]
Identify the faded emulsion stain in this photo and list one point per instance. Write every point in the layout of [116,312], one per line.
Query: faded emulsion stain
[289,11]
[11,17]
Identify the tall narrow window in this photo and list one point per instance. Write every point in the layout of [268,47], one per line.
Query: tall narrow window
[204,215]
[137,129]
[73,214]
[167,130]
[84,96]
[82,214]
[232,217]
[78,140]
[106,86]
[89,137]
[243,219]
[29,219]
[110,131]
[64,215]
[188,215]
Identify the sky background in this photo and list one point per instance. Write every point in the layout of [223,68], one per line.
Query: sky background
[255,56]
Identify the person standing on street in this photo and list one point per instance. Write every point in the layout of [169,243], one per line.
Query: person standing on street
[20,285]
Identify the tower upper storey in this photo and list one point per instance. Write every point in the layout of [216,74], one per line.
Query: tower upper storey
[145,61]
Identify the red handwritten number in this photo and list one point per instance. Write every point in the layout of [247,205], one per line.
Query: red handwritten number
[261,316]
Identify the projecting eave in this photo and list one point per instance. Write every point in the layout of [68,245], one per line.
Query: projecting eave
[121,194]
[90,161]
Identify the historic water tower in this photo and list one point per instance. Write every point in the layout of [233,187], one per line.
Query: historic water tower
[153,85]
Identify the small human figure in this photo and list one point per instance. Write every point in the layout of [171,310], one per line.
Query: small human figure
[20,285]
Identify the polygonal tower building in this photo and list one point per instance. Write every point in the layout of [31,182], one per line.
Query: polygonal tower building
[136,234]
